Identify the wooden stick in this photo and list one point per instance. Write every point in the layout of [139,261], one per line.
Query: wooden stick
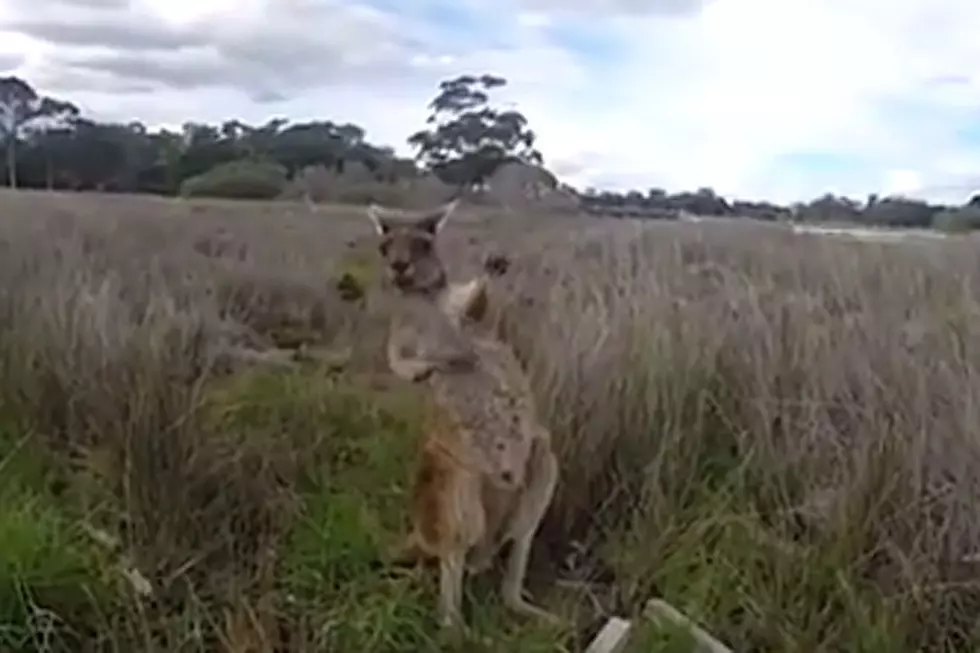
[612,638]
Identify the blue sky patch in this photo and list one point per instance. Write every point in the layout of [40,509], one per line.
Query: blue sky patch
[968,134]
[596,48]
[828,171]
[821,163]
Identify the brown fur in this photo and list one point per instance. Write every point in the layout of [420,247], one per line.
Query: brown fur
[486,471]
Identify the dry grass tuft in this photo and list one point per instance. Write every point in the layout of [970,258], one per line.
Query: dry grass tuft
[776,432]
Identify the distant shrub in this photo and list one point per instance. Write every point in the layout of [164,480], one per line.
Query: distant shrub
[899,212]
[958,220]
[353,186]
[312,182]
[244,179]
[404,194]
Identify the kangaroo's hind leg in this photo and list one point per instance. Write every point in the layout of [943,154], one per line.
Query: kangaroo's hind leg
[469,524]
[537,496]
[464,523]
[498,508]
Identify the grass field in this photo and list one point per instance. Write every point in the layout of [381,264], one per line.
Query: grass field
[777,433]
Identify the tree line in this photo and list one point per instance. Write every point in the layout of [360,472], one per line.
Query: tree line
[875,211]
[49,144]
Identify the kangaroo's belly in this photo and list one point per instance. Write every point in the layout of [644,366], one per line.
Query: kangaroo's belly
[499,505]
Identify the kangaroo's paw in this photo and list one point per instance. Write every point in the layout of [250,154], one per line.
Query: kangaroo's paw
[407,553]
[480,559]
[522,606]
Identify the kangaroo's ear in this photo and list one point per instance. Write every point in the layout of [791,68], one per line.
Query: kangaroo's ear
[435,220]
[377,216]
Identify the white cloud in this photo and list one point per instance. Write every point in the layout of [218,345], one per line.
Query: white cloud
[900,182]
[733,94]
[759,79]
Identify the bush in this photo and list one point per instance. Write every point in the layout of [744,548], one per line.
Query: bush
[246,179]
[899,212]
[959,220]
[320,184]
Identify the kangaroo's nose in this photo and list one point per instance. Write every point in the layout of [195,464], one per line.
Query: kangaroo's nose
[508,477]
[399,266]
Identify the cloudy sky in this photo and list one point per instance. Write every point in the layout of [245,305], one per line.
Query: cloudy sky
[783,99]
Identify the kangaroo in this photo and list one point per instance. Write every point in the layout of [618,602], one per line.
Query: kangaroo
[486,471]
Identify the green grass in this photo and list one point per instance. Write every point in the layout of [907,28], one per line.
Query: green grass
[725,569]
[54,580]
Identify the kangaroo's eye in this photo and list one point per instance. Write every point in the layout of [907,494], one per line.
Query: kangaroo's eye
[383,248]
[422,246]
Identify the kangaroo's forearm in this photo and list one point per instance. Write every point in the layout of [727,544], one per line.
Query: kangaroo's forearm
[410,369]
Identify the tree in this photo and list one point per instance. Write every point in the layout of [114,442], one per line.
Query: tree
[468,139]
[21,108]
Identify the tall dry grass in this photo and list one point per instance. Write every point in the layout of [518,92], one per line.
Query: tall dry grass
[779,432]
[776,432]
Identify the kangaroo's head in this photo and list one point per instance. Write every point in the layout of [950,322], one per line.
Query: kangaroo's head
[408,247]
